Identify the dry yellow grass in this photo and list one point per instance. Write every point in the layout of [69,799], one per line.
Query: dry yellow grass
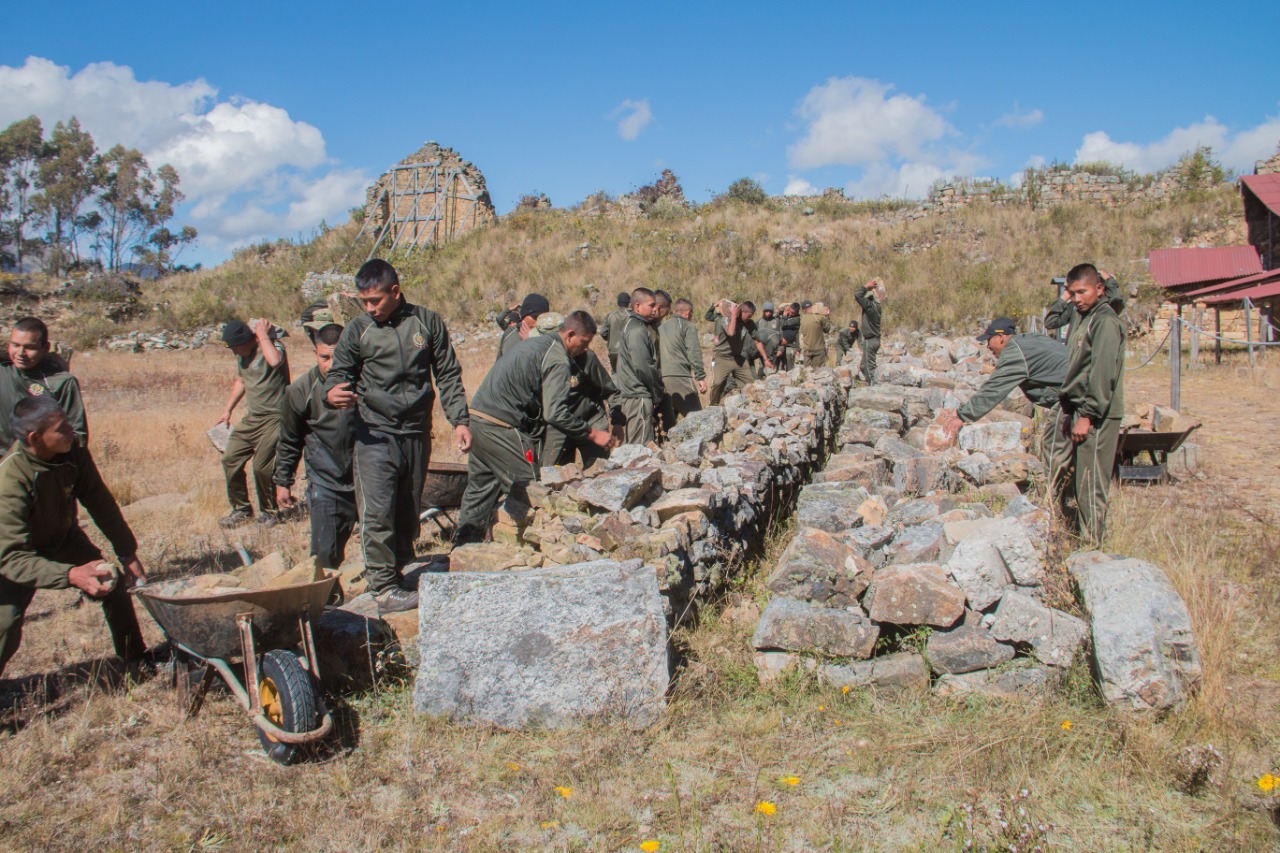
[115,767]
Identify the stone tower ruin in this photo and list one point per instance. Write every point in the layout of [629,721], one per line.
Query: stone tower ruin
[427,199]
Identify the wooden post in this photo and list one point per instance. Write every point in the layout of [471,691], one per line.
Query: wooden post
[1175,362]
[1248,329]
[1217,332]
[1195,338]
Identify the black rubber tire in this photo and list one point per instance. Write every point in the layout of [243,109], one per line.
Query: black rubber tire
[282,672]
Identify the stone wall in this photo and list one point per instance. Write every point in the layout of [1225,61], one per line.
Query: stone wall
[694,508]
[1233,324]
[457,214]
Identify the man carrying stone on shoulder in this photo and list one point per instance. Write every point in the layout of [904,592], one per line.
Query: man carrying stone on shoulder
[525,392]
[637,377]
[1061,313]
[1092,397]
[869,298]
[683,376]
[732,333]
[322,437]
[262,376]
[383,367]
[1035,363]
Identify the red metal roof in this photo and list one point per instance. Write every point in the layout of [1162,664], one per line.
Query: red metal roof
[1233,284]
[1180,267]
[1266,188]
[1261,291]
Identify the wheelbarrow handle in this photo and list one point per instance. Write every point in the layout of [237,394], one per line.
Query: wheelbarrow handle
[274,731]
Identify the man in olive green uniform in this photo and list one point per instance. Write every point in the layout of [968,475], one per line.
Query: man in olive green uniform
[1060,313]
[262,376]
[524,392]
[847,339]
[384,367]
[1092,397]
[683,376]
[1035,363]
[322,437]
[869,296]
[531,308]
[814,326]
[32,370]
[591,389]
[732,335]
[637,377]
[611,328]
[42,546]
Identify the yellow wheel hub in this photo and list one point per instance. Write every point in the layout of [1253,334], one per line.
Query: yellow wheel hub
[272,708]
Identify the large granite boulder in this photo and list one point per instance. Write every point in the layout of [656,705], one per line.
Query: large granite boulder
[1144,648]
[818,567]
[1054,636]
[544,646]
[798,626]
[917,594]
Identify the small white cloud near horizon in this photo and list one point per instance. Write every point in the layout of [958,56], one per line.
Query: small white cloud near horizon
[854,121]
[799,186]
[633,117]
[1017,120]
[249,171]
[1035,161]
[1238,150]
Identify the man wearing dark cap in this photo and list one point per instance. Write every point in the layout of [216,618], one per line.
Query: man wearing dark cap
[1035,363]
[262,377]
[847,339]
[611,328]
[869,296]
[531,308]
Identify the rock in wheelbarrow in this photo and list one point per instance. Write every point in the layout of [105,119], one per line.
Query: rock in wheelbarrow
[543,647]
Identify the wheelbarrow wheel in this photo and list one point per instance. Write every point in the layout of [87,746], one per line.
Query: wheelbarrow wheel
[288,701]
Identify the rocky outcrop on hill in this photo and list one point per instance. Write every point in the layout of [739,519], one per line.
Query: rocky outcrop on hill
[439,196]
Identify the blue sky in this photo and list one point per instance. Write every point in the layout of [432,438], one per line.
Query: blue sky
[278,115]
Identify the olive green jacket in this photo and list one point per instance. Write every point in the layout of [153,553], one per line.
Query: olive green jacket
[530,388]
[681,352]
[391,367]
[50,376]
[637,375]
[1062,312]
[611,328]
[813,334]
[872,312]
[39,519]
[317,433]
[846,339]
[1094,385]
[264,385]
[1034,363]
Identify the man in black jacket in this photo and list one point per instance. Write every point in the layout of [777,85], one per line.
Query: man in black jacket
[323,437]
[383,367]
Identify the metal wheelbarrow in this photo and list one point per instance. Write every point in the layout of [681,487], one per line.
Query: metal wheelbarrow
[262,627]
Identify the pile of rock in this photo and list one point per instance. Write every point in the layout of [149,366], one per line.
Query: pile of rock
[689,508]
[166,340]
[320,285]
[902,575]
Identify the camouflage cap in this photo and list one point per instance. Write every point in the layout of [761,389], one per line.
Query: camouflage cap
[548,323]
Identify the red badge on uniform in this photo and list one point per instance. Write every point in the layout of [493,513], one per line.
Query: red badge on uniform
[528,454]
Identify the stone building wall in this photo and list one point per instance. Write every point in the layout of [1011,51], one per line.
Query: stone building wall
[456,213]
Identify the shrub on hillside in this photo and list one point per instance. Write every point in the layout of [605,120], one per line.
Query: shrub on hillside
[746,191]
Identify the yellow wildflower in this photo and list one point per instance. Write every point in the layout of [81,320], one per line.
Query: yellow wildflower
[649,846]
[564,791]
[766,808]
[1066,725]
[790,780]
[844,689]
[822,708]
[550,824]
[511,765]
[1268,783]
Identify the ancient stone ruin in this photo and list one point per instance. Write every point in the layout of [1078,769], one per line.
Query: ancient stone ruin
[429,198]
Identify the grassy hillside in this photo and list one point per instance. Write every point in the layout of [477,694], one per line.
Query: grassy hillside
[943,272]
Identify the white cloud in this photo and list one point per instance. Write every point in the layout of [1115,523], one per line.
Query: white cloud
[248,169]
[1035,161]
[1237,151]
[854,121]
[1016,119]
[633,117]
[908,180]
[799,186]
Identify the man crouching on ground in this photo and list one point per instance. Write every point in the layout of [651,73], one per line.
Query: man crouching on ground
[41,543]
[384,366]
